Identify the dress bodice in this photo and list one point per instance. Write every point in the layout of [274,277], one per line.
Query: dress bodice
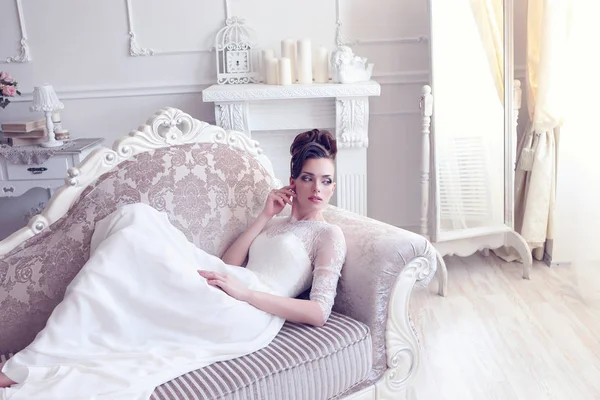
[291,256]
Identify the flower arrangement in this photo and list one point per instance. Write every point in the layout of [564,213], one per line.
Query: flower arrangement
[8,88]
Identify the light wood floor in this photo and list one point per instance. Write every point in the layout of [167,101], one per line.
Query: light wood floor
[498,336]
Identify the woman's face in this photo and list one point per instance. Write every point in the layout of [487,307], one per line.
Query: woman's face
[314,186]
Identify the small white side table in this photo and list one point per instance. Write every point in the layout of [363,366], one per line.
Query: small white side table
[16,179]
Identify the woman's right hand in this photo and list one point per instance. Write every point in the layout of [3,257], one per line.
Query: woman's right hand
[277,200]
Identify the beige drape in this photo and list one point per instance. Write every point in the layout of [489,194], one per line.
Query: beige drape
[548,27]
[489,18]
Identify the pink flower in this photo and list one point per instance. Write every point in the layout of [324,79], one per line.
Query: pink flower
[3,75]
[8,78]
[9,91]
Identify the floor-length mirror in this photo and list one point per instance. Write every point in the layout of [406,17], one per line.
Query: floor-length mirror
[467,80]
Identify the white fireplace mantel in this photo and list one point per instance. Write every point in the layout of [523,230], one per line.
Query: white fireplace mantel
[343,107]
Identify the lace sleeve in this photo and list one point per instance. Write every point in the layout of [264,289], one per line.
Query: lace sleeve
[330,254]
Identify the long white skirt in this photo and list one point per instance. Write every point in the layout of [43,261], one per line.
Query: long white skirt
[137,315]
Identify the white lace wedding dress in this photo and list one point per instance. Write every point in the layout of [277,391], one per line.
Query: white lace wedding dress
[138,314]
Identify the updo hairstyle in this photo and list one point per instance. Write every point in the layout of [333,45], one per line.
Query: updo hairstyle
[311,144]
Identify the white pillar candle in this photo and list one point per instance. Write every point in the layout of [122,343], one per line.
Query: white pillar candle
[272,71]
[288,50]
[321,65]
[304,62]
[266,55]
[285,71]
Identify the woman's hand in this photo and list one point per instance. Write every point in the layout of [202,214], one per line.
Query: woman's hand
[228,284]
[277,200]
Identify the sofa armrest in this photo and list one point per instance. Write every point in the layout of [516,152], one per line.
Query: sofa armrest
[378,254]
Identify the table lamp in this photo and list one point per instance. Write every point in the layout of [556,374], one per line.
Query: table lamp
[45,99]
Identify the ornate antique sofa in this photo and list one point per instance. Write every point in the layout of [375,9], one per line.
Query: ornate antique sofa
[211,182]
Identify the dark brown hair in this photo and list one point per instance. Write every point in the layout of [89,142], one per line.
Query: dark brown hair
[311,144]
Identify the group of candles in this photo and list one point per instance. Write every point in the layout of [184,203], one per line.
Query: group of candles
[297,64]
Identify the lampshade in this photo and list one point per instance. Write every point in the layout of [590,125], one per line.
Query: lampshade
[45,99]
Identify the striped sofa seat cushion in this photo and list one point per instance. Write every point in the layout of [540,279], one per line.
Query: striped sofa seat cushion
[301,363]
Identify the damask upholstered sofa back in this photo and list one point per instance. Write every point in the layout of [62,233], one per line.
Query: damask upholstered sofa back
[209,190]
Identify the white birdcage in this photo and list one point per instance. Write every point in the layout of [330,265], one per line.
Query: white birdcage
[237,55]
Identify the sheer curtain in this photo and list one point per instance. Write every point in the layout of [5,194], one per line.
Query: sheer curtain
[489,17]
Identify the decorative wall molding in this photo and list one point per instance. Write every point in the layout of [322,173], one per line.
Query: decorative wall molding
[24,54]
[400,40]
[409,77]
[136,50]
[420,77]
[394,113]
[99,92]
[227,13]
[340,41]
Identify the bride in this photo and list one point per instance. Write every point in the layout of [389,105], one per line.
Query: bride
[149,306]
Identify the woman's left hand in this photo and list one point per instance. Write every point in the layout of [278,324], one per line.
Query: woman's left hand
[228,284]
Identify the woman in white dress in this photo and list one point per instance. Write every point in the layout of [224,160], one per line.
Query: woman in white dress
[149,306]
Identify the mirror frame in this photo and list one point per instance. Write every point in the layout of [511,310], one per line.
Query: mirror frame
[510,140]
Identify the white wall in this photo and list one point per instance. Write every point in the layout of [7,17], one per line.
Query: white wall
[82,48]
[578,172]
[577,213]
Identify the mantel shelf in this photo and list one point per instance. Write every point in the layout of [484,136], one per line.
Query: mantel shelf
[255,92]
